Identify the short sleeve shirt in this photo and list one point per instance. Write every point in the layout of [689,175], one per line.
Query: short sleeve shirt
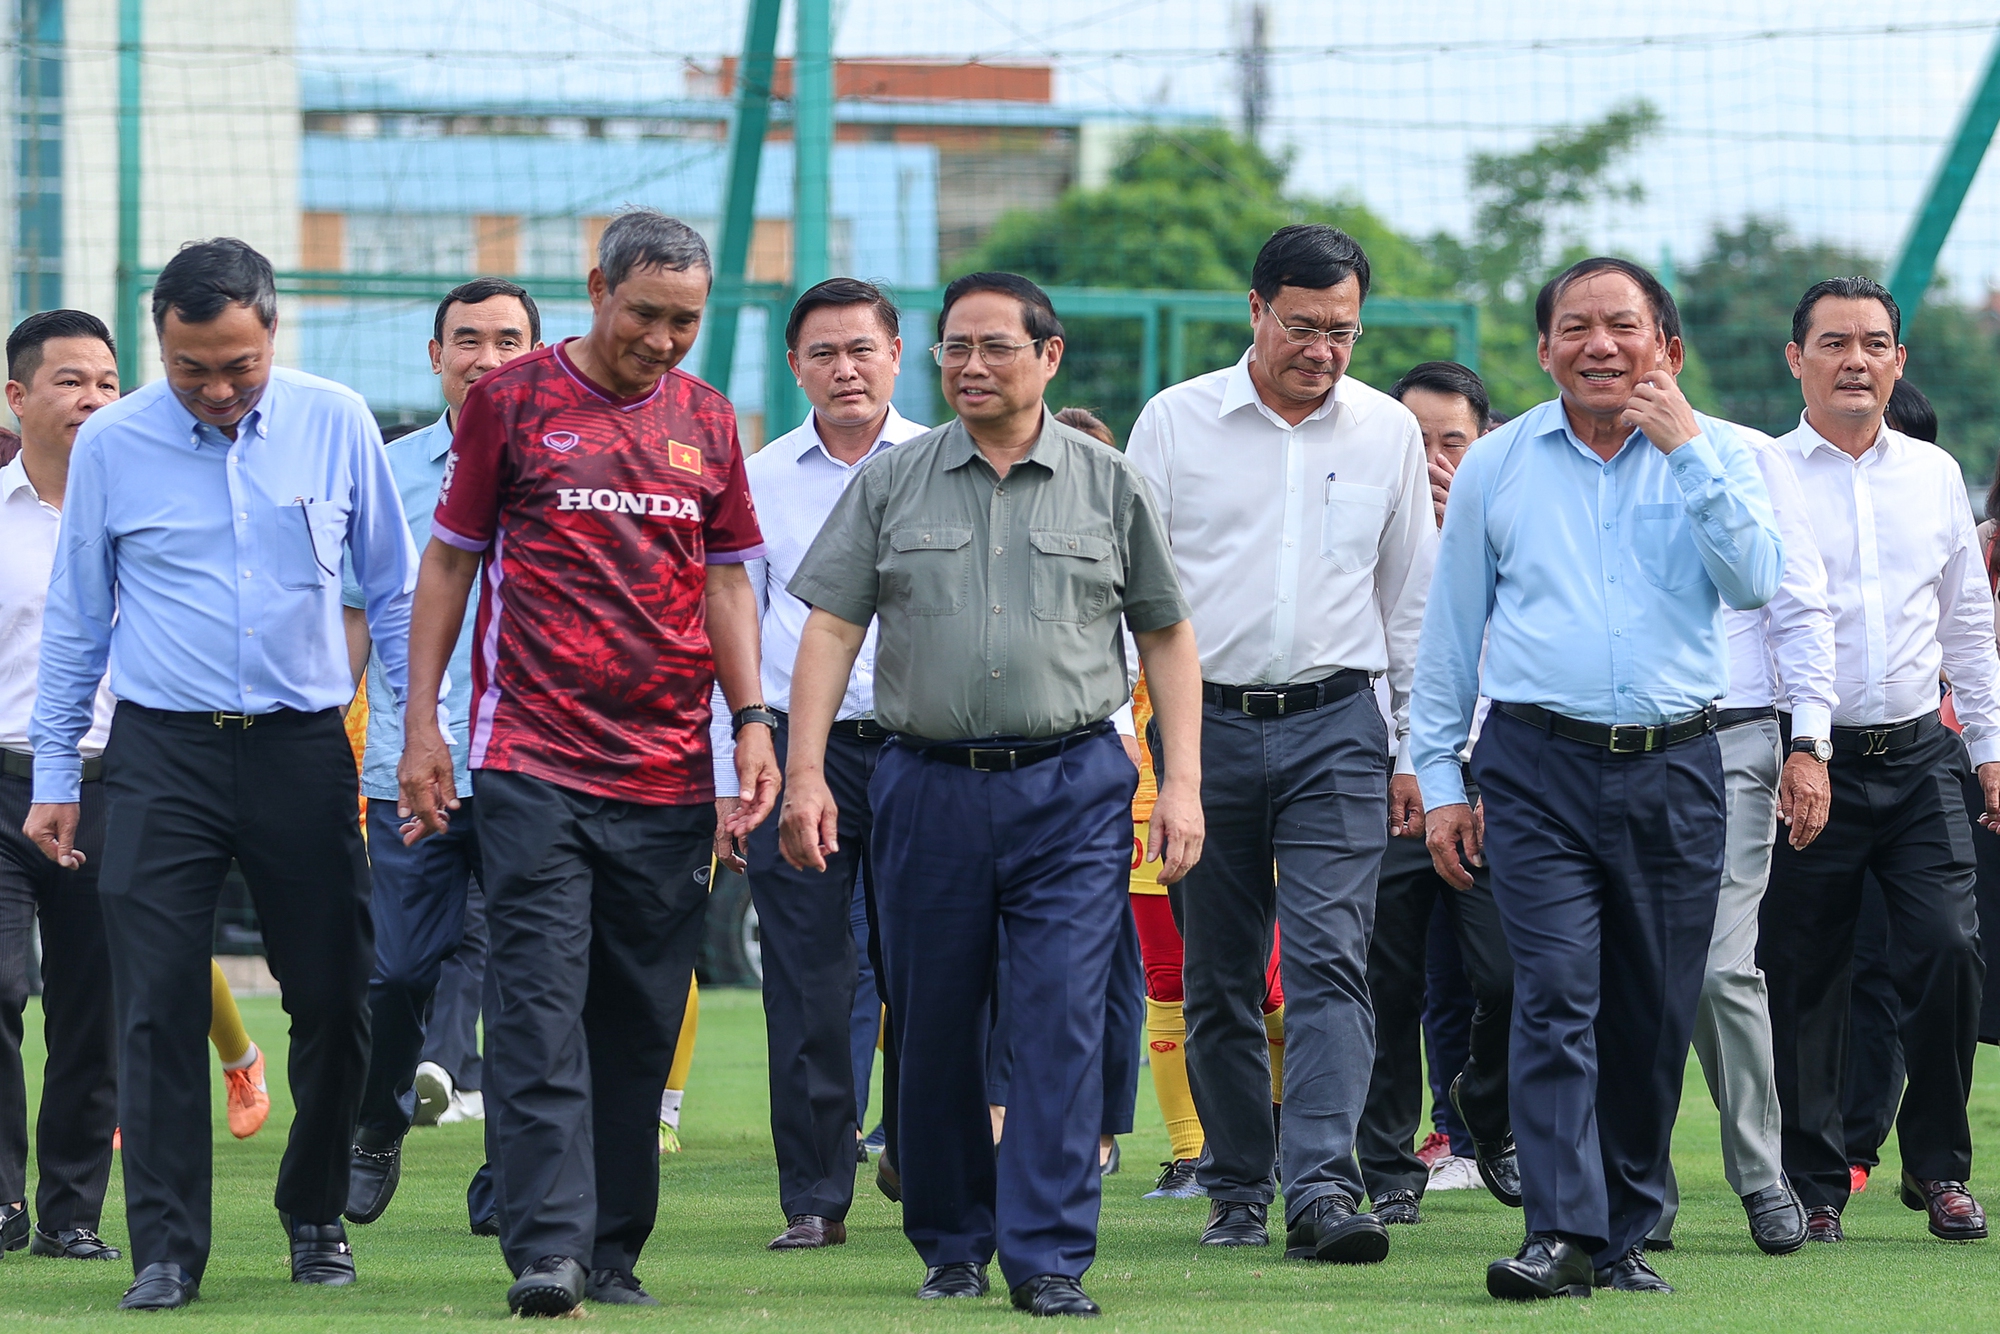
[597,517]
[998,600]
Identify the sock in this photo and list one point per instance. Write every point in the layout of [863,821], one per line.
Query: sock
[677,1075]
[670,1107]
[225,1024]
[1166,1037]
[245,1061]
[1274,1033]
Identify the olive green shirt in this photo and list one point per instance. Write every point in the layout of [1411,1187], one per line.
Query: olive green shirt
[998,601]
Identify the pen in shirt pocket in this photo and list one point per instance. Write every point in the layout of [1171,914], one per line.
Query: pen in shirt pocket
[1326,492]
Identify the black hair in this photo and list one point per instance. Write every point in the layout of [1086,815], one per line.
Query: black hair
[1092,425]
[24,345]
[1447,377]
[1911,413]
[1849,289]
[841,292]
[1665,313]
[1308,254]
[485,289]
[1038,313]
[207,276]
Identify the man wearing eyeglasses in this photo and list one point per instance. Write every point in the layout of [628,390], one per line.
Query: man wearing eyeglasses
[1299,510]
[846,351]
[1004,554]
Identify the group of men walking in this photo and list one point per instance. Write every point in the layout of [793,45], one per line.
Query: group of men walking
[1654,661]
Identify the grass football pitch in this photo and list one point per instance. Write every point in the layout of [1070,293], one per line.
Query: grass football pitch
[421,1270]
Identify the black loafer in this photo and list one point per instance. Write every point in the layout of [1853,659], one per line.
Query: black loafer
[1777,1219]
[1237,1223]
[1397,1207]
[888,1180]
[1499,1166]
[1630,1273]
[76,1243]
[617,1287]
[320,1253]
[552,1285]
[1330,1230]
[160,1287]
[14,1226]
[1053,1294]
[371,1181]
[964,1279]
[1545,1266]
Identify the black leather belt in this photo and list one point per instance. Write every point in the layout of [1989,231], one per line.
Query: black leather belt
[1725,718]
[1001,754]
[1882,740]
[1621,738]
[857,729]
[20,764]
[1277,701]
[219,719]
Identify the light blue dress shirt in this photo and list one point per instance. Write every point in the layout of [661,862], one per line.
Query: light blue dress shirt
[1603,583]
[417,461]
[207,570]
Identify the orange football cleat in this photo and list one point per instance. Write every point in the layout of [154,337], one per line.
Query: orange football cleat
[1857,1178]
[249,1104]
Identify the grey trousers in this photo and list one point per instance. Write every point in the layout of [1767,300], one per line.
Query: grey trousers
[1308,792]
[1732,1026]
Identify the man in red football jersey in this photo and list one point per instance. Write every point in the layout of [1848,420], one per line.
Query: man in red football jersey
[601,494]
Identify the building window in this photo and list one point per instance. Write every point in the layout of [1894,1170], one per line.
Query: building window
[442,243]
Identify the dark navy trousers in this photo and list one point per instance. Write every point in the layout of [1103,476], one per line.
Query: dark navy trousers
[1606,869]
[1047,850]
[418,906]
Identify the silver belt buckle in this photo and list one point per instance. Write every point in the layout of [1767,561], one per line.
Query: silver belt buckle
[976,761]
[1631,738]
[1248,695]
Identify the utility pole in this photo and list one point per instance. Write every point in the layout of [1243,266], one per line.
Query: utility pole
[1253,69]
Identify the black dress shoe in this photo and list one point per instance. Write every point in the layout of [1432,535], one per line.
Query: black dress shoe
[1499,1167]
[1545,1266]
[76,1243]
[1395,1207]
[552,1285]
[1053,1294]
[1630,1273]
[1777,1219]
[1330,1230]
[160,1287]
[14,1226]
[371,1181]
[489,1226]
[320,1253]
[1237,1223]
[809,1232]
[1658,1243]
[1823,1224]
[617,1287]
[964,1279]
[888,1180]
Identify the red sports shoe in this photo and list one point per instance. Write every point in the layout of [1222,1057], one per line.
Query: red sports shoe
[1857,1178]
[1435,1146]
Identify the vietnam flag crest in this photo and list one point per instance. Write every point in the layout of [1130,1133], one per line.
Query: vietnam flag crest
[685,457]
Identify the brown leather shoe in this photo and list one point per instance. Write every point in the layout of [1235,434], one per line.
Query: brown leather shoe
[1954,1214]
[1823,1224]
[809,1232]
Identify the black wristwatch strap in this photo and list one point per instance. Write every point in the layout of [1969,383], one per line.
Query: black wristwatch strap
[1808,745]
[752,713]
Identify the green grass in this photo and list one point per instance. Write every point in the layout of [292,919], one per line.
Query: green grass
[422,1270]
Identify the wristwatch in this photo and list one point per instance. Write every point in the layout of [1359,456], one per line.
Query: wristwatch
[753,713]
[1816,746]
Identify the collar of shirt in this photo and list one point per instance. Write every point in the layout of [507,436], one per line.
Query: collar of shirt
[959,448]
[1806,440]
[254,422]
[1240,391]
[895,429]
[14,477]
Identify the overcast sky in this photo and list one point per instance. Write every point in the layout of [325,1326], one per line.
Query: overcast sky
[1831,116]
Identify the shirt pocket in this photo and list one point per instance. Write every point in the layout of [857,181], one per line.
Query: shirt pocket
[306,542]
[1072,575]
[929,572]
[1663,547]
[1350,527]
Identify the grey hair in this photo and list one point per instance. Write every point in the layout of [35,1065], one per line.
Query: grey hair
[645,238]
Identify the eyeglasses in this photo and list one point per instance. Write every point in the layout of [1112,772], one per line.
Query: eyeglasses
[994,353]
[1303,337]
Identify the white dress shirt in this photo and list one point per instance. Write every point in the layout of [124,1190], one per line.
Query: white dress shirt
[1302,549]
[1789,639]
[1905,582]
[794,483]
[28,528]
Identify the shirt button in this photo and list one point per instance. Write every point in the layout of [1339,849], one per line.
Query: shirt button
[1616,633]
[246,574]
[1607,523]
[242,514]
[999,490]
[1289,542]
[996,611]
[999,550]
[996,673]
[1611,578]
[248,633]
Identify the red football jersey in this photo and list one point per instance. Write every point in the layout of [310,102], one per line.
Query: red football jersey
[598,518]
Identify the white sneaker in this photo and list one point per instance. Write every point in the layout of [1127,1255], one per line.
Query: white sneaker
[1449,1173]
[466,1105]
[434,1093]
